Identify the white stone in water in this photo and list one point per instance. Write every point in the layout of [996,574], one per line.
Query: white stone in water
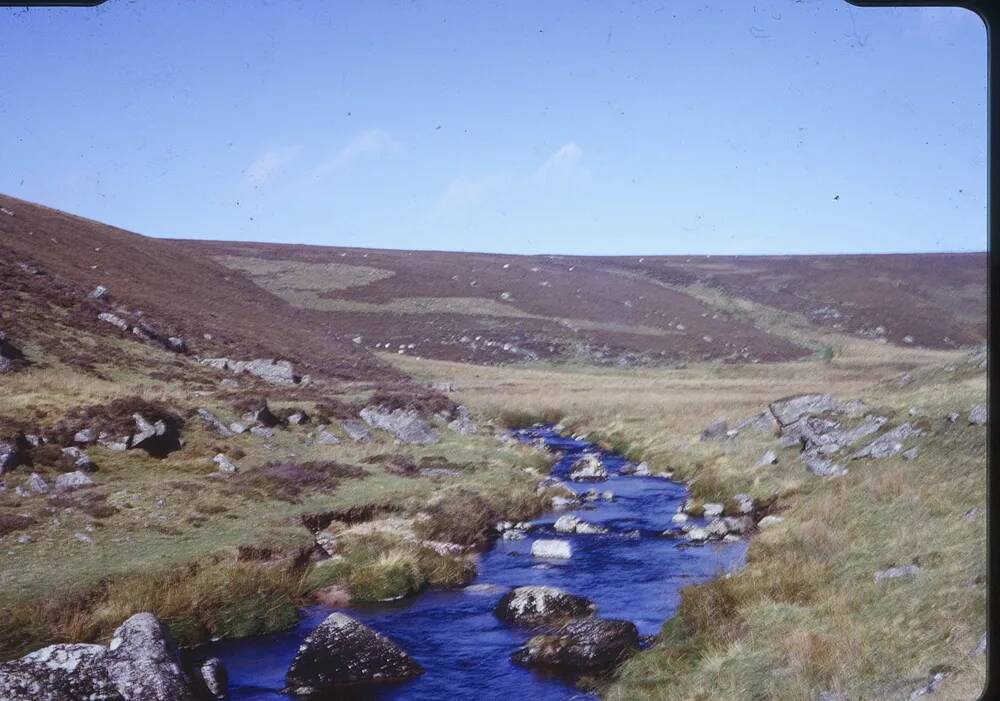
[552,549]
[679,517]
[563,503]
[567,523]
[697,535]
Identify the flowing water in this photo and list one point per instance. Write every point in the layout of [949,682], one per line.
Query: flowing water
[631,572]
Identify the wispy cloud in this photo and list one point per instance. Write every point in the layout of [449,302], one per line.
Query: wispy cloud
[562,164]
[463,194]
[269,164]
[370,142]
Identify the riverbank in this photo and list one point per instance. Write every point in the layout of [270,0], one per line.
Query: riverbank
[806,615]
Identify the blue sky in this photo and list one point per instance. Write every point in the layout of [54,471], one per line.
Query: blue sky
[668,126]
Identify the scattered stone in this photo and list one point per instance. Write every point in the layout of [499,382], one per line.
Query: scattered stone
[911,454]
[214,423]
[69,481]
[953,417]
[279,372]
[679,517]
[237,427]
[979,415]
[356,431]
[342,652]
[514,534]
[930,686]
[77,459]
[539,605]
[593,645]
[114,320]
[561,503]
[443,387]
[99,292]
[588,468]
[981,647]
[84,538]
[10,355]
[406,426]
[12,453]
[262,431]
[37,484]
[552,549]
[462,423]
[225,464]
[768,458]
[715,430]
[298,418]
[769,522]
[85,436]
[698,534]
[972,513]
[760,423]
[894,572]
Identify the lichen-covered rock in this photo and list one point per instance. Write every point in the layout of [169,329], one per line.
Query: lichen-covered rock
[887,444]
[37,484]
[214,679]
[592,645]
[144,663]
[59,673]
[539,605]
[224,464]
[343,652]
[278,372]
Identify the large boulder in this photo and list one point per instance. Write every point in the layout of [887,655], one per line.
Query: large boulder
[59,673]
[588,468]
[538,605]
[144,663]
[406,426]
[70,481]
[141,664]
[343,652]
[158,438]
[591,645]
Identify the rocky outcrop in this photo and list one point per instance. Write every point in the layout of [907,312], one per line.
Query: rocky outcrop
[77,460]
[406,426]
[887,444]
[142,663]
[158,438]
[462,423]
[539,605]
[342,652]
[214,423]
[278,372]
[790,409]
[71,481]
[592,645]
[588,469]
[224,464]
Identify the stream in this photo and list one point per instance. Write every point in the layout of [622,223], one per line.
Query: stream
[631,572]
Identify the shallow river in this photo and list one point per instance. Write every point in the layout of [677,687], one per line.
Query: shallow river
[631,572]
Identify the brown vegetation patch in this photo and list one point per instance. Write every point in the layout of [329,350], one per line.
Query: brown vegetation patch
[287,480]
[14,522]
[115,418]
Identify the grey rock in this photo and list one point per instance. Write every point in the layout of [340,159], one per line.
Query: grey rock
[406,426]
[85,436]
[72,672]
[261,414]
[214,423]
[443,387]
[768,458]
[78,459]
[593,645]
[342,652]
[887,444]
[238,427]
[588,468]
[12,454]
[279,372]
[713,509]
[99,292]
[114,320]
[822,467]
[83,538]
[979,415]
[952,417]
[981,647]
[176,344]
[298,418]
[911,454]
[37,484]
[214,679]
[715,430]
[356,431]
[262,431]
[541,605]
[462,422]
[764,423]
[224,464]
[9,354]
[156,438]
[895,572]
[324,437]
[70,481]
[930,686]
[144,663]
[769,522]
[791,409]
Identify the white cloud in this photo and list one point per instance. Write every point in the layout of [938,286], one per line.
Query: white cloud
[560,165]
[466,193]
[369,141]
[269,164]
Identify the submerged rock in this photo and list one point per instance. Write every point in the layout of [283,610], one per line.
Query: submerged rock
[552,549]
[593,645]
[343,652]
[538,605]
